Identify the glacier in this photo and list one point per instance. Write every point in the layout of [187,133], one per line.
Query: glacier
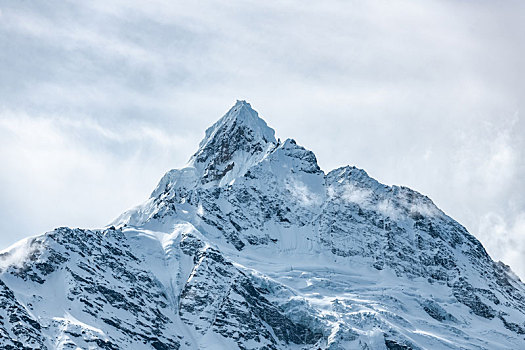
[252,245]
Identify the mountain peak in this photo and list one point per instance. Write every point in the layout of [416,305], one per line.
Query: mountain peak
[243,115]
[242,103]
[233,143]
[252,246]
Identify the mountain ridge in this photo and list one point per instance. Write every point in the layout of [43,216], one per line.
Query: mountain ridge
[252,246]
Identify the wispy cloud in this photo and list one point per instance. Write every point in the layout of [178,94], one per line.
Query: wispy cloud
[504,237]
[302,193]
[354,194]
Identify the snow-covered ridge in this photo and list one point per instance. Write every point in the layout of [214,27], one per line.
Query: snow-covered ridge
[252,246]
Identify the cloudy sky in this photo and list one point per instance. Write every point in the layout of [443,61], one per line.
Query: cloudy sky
[98,100]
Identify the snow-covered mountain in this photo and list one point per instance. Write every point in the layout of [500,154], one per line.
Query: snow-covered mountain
[253,246]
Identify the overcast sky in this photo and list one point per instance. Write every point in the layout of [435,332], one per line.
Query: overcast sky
[99,99]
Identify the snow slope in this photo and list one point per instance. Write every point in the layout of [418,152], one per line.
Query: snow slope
[253,246]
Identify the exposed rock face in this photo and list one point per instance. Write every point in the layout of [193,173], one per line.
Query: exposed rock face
[253,246]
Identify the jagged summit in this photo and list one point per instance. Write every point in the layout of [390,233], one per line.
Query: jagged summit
[236,141]
[240,115]
[253,247]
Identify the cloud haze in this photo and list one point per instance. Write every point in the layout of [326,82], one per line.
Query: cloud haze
[99,99]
